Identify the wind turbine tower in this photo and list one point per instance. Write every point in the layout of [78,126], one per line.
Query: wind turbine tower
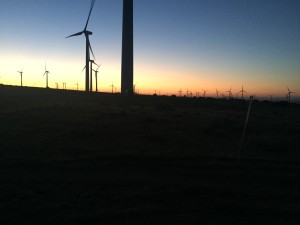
[204,93]
[127,48]
[96,77]
[229,94]
[21,74]
[217,92]
[91,75]
[46,73]
[242,91]
[289,95]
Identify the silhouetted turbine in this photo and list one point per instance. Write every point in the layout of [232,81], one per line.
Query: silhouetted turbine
[21,74]
[180,92]
[204,93]
[46,73]
[271,98]
[96,76]
[242,91]
[87,46]
[112,87]
[91,75]
[289,95]
[217,92]
[229,94]
[134,88]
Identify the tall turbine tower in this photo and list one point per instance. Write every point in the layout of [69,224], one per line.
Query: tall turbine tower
[46,73]
[127,48]
[21,74]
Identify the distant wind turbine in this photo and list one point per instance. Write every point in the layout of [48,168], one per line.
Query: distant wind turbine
[271,98]
[21,74]
[180,92]
[91,75]
[217,92]
[46,73]
[88,46]
[289,95]
[229,94]
[242,91]
[76,86]
[187,92]
[96,77]
[134,88]
[56,84]
[112,87]
[204,93]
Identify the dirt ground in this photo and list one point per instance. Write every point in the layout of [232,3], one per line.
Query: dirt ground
[69,157]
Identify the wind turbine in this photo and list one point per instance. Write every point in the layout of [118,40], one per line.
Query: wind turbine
[217,92]
[21,74]
[91,75]
[242,91]
[271,98]
[289,95]
[134,89]
[64,85]
[87,46]
[229,94]
[187,93]
[180,92]
[46,73]
[76,86]
[96,77]
[112,87]
[204,93]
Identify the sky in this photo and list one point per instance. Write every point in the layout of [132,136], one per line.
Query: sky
[178,44]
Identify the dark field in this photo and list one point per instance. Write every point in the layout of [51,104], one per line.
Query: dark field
[75,158]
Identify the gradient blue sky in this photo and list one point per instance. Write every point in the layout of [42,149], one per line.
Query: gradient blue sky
[179,44]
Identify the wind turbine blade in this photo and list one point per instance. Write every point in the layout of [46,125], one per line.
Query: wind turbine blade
[91,48]
[77,34]
[92,6]
[95,63]
[83,68]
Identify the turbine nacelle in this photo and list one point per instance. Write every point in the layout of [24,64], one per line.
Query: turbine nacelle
[88,32]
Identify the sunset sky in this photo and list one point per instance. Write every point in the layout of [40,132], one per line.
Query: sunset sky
[178,44]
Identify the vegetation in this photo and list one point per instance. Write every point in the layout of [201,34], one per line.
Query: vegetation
[69,157]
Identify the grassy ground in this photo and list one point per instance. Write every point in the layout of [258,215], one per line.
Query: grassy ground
[76,158]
